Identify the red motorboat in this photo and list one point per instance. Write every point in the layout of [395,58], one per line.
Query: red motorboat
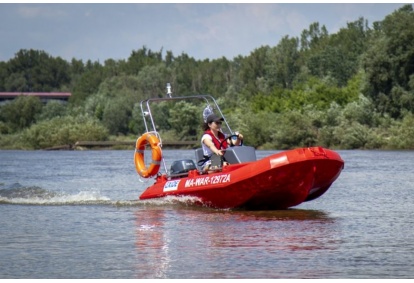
[278,181]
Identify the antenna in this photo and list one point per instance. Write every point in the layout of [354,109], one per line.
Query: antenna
[206,112]
[169,92]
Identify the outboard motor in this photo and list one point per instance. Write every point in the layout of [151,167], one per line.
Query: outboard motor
[182,166]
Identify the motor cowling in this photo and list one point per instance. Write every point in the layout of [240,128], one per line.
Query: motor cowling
[182,166]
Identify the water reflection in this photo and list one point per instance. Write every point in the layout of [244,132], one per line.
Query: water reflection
[151,243]
[283,230]
[174,243]
[284,215]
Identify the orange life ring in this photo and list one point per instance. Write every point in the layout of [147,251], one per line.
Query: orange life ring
[154,166]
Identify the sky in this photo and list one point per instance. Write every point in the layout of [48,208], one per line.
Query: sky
[101,31]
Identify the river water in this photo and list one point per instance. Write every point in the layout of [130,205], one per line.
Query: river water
[76,214]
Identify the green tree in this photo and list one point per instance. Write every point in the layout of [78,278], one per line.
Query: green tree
[51,110]
[338,55]
[65,130]
[141,58]
[151,81]
[388,63]
[15,82]
[252,71]
[21,112]
[311,38]
[38,71]
[282,66]
[184,74]
[402,133]
[116,116]
[294,130]
[88,83]
[114,101]
[3,75]
[183,120]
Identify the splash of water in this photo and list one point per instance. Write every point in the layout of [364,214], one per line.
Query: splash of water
[172,200]
[33,195]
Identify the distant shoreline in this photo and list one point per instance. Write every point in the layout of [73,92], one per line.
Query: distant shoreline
[82,145]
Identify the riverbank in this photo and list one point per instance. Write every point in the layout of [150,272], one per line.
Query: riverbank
[83,145]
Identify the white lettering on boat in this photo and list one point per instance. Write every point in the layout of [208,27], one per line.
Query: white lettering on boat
[209,180]
[171,185]
[281,160]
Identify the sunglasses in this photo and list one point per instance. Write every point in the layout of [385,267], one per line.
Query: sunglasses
[218,123]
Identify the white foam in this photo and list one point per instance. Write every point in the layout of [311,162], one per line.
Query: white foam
[80,198]
[188,200]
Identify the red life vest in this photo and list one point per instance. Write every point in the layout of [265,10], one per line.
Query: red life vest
[217,142]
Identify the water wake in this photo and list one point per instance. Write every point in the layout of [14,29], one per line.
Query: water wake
[33,195]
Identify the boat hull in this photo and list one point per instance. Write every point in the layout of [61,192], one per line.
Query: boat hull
[279,181]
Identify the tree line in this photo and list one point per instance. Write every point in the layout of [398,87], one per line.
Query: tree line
[353,89]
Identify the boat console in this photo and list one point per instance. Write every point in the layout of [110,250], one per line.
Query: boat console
[240,154]
[233,155]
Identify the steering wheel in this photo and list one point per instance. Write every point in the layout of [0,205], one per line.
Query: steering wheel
[230,143]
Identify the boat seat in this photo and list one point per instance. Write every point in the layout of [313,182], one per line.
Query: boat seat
[198,156]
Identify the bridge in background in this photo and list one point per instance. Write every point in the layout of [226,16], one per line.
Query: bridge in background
[44,96]
[123,144]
